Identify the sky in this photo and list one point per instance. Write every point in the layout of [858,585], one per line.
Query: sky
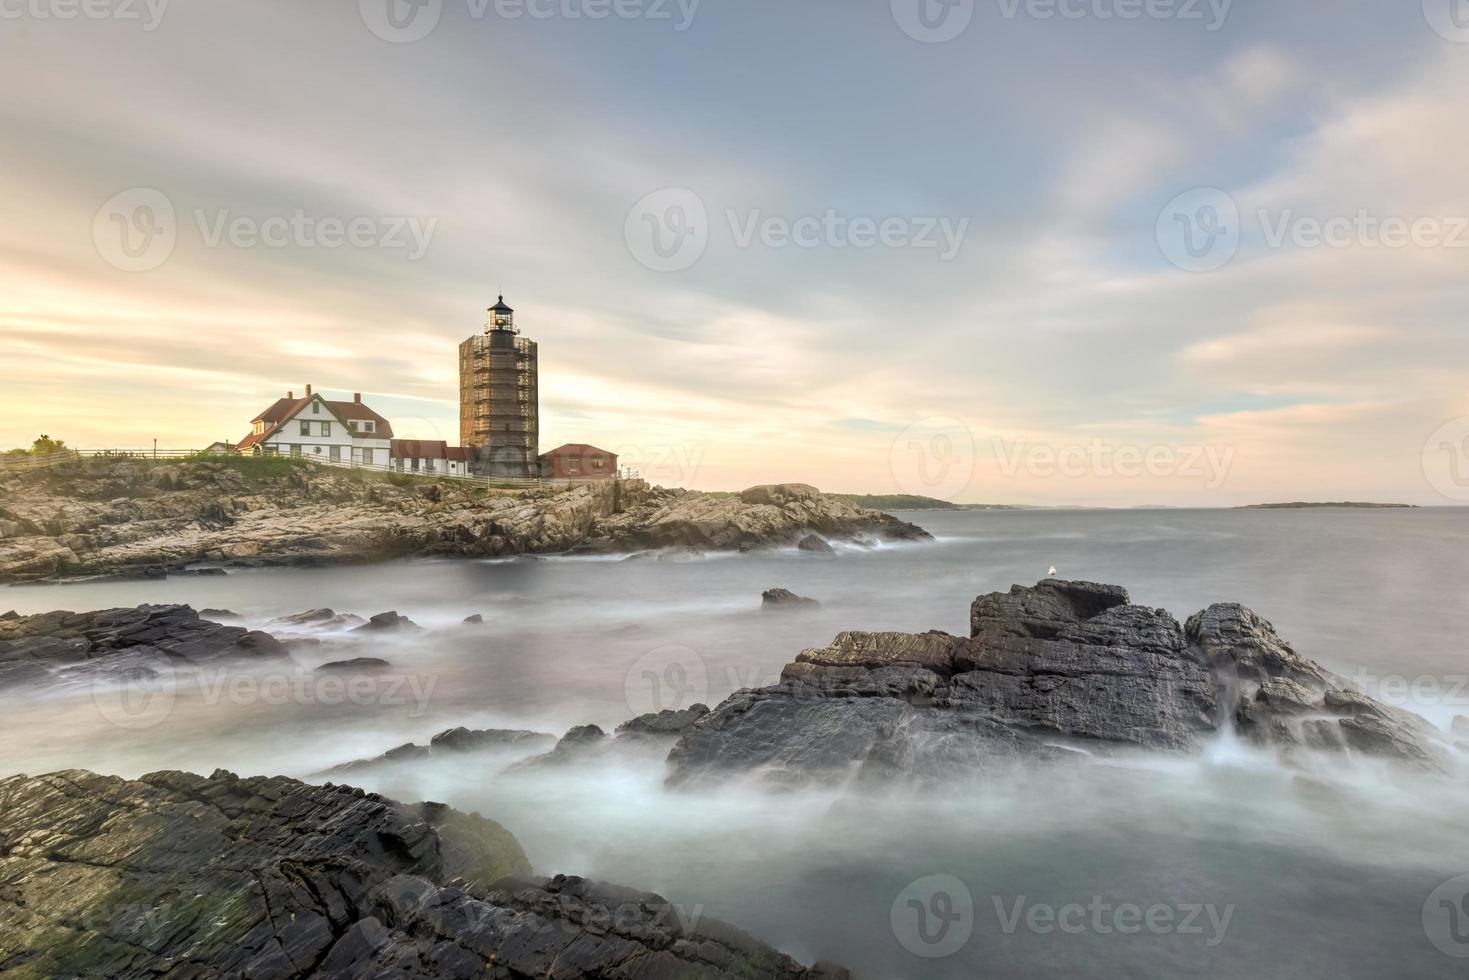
[1097,252]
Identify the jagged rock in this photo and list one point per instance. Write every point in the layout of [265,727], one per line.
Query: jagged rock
[779,494]
[38,648]
[466,740]
[816,544]
[574,745]
[357,665]
[474,620]
[385,621]
[267,877]
[665,722]
[1046,670]
[218,614]
[784,599]
[452,742]
[321,619]
[97,517]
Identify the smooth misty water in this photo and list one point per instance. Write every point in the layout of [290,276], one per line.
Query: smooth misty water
[1320,876]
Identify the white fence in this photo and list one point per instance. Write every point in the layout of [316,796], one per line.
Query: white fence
[27,462]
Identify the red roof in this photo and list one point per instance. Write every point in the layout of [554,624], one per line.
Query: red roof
[579,450]
[286,409]
[459,453]
[419,449]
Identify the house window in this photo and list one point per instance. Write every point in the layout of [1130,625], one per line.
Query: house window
[597,464]
[335,454]
[295,449]
[367,457]
[305,428]
[428,464]
[316,408]
[259,428]
[369,426]
[415,464]
[326,429]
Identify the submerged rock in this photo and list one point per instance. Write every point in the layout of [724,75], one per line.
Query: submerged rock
[180,874]
[388,621]
[40,647]
[322,619]
[665,722]
[357,665]
[475,619]
[784,599]
[816,544]
[1046,671]
[455,741]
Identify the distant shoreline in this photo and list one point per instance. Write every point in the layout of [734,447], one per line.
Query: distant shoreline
[1301,505]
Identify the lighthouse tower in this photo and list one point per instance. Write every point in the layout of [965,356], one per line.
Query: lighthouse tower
[499,403]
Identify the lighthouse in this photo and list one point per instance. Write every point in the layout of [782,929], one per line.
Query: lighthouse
[499,403]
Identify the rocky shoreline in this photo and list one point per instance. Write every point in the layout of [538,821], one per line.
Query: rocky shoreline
[138,519]
[184,875]
[101,876]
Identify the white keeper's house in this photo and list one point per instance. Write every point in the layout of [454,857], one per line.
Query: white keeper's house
[344,432]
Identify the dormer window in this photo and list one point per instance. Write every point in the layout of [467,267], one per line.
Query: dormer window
[369,426]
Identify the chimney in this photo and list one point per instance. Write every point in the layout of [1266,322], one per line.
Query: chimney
[308,391]
[291,395]
[357,397]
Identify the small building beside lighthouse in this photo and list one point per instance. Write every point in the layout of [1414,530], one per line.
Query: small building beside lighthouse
[499,401]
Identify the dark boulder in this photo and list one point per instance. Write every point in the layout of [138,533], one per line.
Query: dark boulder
[474,620]
[325,619]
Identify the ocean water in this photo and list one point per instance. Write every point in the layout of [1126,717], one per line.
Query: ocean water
[1227,865]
